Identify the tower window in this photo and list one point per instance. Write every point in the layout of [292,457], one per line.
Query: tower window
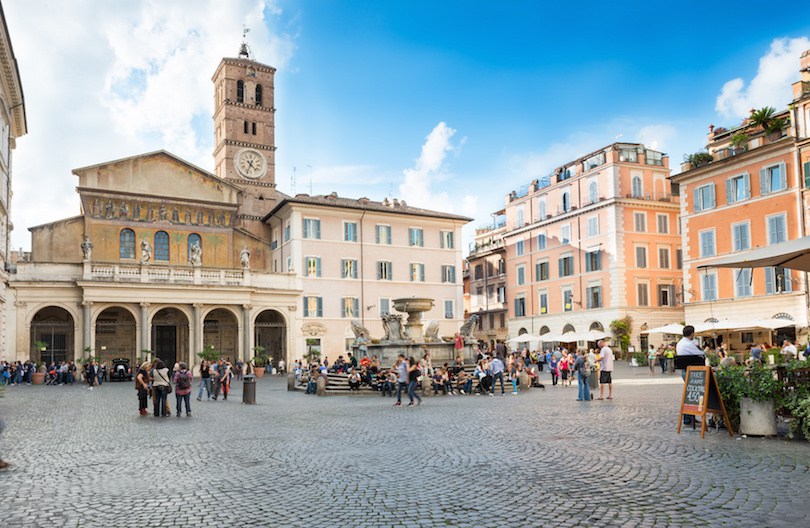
[254,128]
[240,91]
[245,123]
[258,95]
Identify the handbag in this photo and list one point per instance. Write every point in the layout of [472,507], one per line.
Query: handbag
[169,387]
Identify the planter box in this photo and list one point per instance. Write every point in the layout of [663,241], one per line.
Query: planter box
[38,378]
[259,371]
[757,418]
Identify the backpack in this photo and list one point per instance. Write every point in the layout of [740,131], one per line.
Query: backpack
[183,381]
[585,369]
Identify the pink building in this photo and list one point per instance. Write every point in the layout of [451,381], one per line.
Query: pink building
[595,241]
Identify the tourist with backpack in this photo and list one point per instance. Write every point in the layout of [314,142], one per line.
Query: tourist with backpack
[583,369]
[182,383]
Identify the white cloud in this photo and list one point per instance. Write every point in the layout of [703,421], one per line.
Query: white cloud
[417,187]
[105,80]
[770,86]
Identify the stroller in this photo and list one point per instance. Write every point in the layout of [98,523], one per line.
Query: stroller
[50,377]
[484,385]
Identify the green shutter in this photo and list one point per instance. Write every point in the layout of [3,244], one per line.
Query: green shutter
[807,174]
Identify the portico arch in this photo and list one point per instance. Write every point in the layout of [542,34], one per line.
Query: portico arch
[53,327]
[116,335]
[270,331]
[221,331]
[170,336]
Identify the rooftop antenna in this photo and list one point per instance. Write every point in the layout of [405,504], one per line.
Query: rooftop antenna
[244,50]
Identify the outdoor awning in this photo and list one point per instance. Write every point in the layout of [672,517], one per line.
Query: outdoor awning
[673,328]
[524,338]
[793,254]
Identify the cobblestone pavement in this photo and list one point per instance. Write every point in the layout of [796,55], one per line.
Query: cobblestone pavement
[83,458]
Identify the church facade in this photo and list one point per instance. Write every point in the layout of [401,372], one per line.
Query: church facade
[166,258]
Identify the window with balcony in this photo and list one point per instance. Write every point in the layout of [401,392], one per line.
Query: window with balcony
[385,270]
[704,198]
[738,188]
[637,189]
[312,228]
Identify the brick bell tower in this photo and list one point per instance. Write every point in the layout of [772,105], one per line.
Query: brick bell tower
[244,135]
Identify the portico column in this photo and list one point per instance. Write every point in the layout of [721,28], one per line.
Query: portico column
[86,337]
[246,332]
[145,328]
[196,333]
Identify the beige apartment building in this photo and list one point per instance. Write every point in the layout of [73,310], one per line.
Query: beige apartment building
[595,241]
[354,256]
[487,280]
[753,191]
[12,125]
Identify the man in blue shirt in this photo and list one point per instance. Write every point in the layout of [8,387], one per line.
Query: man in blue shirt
[496,367]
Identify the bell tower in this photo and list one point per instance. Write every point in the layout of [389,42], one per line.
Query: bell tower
[244,134]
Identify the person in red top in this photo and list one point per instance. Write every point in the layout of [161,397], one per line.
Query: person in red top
[365,362]
[459,343]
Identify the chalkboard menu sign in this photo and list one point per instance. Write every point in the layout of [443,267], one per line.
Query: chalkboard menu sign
[701,396]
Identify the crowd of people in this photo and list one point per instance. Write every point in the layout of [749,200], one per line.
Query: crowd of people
[56,373]
[493,368]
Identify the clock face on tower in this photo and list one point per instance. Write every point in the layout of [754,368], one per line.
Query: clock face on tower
[250,163]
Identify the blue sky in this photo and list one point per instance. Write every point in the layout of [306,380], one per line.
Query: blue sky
[448,104]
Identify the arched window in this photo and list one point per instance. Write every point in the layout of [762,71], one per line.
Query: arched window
[593,191]
[162,245]
[240,91]
[126,244]
[258,95]
[637,190]
[566,202]
[193,239]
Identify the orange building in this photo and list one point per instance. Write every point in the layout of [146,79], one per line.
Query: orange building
[487,277]
[748,193]
[594,242]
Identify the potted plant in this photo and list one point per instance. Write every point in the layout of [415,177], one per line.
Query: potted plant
[259,361]
[38,377]
[698,159]
[772,126]
[739,143]
[760,394]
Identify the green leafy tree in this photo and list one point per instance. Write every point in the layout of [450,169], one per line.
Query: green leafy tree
[622,328]
[209,353]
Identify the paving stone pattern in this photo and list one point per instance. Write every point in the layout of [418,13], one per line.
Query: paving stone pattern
[83,459]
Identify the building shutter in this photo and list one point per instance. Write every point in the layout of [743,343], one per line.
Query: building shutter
[770,283]
[730,191]
[747,182]
[783,175]
[698,205]
[764,188]
[807,174]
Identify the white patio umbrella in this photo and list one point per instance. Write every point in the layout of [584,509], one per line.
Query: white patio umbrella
[596,335]
[672,328]
[524,338]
